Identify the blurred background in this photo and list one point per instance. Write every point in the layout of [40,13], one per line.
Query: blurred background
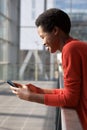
[22,56]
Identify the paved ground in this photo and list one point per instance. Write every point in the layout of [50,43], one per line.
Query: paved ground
[16,114]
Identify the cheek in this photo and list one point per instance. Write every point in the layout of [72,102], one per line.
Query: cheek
[44,40]
[54,46]
[50,41]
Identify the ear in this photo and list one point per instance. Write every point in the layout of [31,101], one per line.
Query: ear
[56,30]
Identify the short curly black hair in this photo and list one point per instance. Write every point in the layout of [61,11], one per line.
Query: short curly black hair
[54,17]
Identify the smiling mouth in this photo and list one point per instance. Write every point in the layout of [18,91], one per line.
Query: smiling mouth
[47,47]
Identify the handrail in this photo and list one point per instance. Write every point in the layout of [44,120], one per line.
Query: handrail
[70,120]
[67,119]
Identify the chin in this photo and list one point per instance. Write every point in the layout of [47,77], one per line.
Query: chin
[53,51]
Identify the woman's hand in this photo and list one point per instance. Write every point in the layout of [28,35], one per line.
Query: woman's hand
[28,92]
[22,92]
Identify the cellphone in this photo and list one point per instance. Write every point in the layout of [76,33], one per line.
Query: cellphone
[11,83]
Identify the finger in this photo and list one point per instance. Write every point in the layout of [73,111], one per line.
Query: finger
[32,87]
[18,85]
[24,86]
[14,88]
[15,92]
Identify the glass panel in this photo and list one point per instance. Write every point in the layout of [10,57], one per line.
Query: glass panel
[12,71]
[8,71]
[3,28]
[1,71]
[71,5]
[1,51]
[77,10]
[79,32]
[3,6]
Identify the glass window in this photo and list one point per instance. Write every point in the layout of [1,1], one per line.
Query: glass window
[3,50]
[3,27]
[77,11]
[1,71]
[3,6]
[71,5]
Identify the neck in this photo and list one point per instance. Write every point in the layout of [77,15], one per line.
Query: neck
[64,39]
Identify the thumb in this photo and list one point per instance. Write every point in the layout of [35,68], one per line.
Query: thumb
[18,85]
[32,88]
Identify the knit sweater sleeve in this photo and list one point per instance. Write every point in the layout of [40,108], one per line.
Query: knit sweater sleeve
[69,95]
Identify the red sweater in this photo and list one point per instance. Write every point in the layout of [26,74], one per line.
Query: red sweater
[74,93]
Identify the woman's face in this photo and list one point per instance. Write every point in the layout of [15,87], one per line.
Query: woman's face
[50,39]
